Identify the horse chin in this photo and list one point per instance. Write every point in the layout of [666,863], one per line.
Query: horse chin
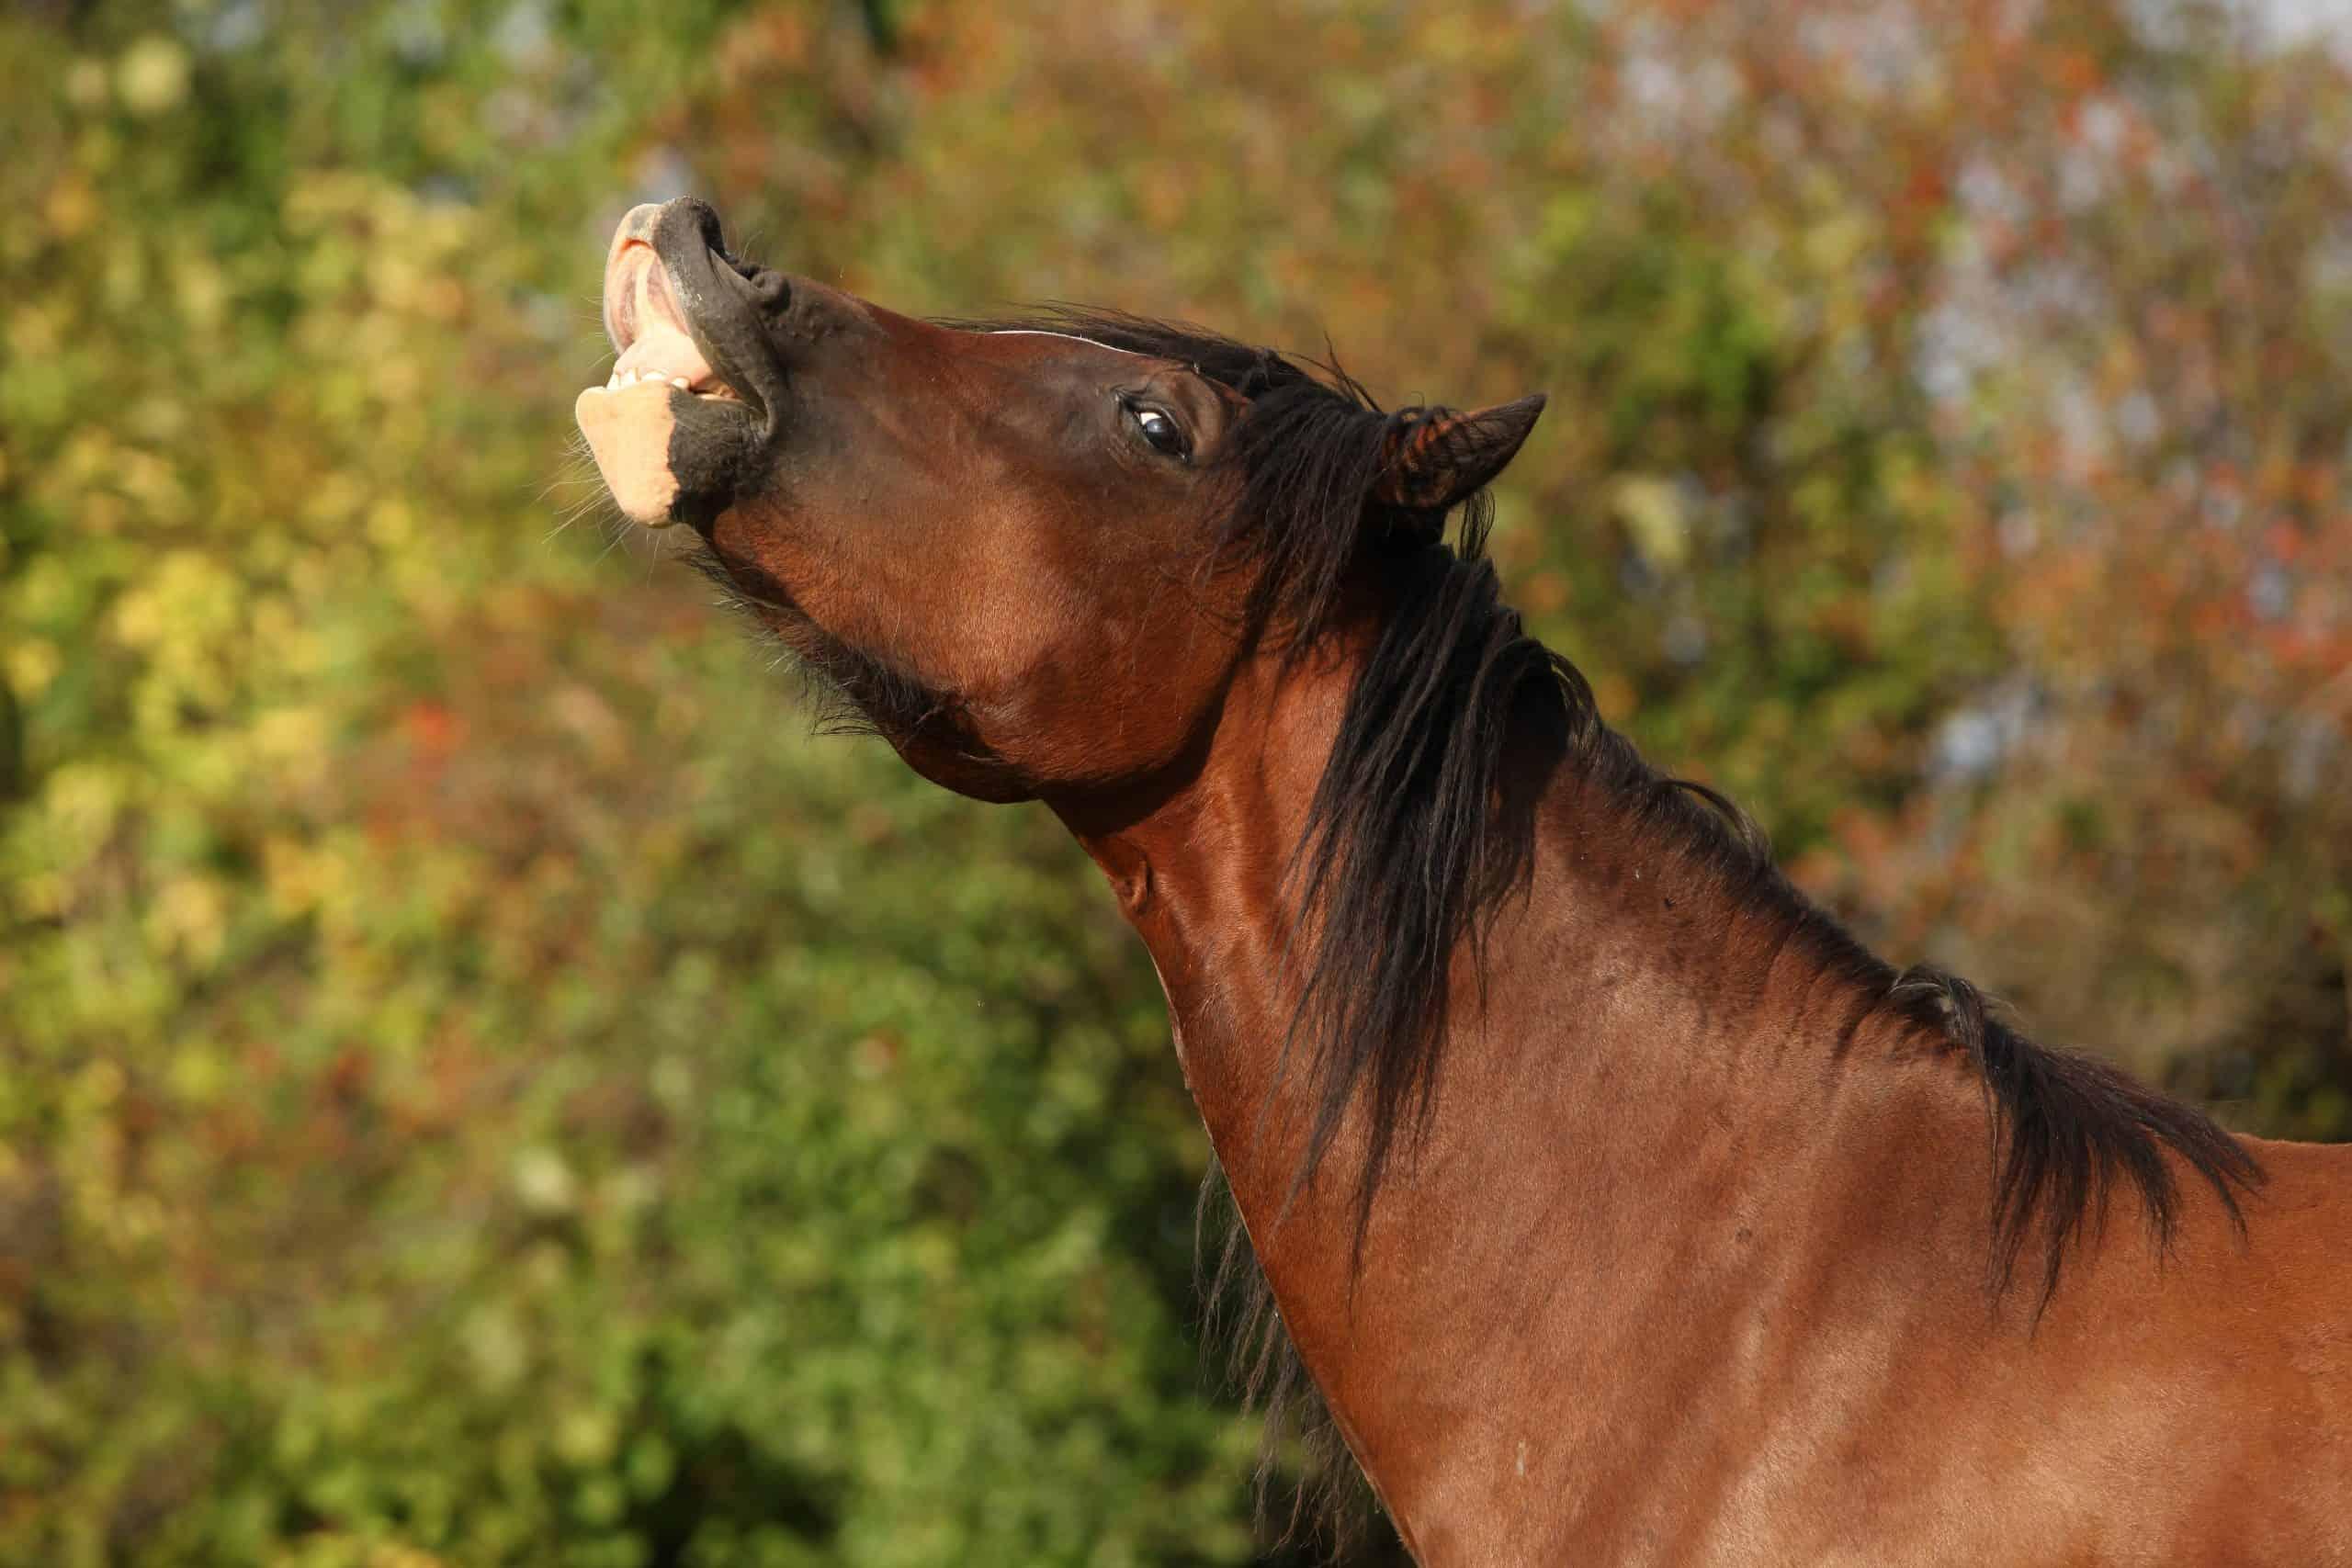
[667,455]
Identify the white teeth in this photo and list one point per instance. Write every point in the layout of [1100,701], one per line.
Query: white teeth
[623,379]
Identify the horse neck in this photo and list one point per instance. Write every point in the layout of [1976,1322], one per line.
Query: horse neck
[1634,1086]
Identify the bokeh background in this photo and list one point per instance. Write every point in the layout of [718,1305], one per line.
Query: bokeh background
[479,1084]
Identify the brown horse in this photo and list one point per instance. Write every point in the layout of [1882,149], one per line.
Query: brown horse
[1621,1207]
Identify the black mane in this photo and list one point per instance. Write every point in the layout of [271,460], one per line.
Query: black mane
[1419,833]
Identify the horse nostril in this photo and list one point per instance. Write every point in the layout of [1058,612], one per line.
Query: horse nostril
[772,289]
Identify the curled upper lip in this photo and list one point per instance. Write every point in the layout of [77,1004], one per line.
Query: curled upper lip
[633,272]
[670,261]
[648,327]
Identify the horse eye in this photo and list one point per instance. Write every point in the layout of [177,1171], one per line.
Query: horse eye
[1166,437]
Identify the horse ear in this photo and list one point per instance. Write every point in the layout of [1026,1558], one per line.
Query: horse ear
[1439,455]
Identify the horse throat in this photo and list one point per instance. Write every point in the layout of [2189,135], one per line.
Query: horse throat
[1629,1110]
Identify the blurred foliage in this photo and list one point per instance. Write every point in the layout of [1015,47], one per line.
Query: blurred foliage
[478,1085]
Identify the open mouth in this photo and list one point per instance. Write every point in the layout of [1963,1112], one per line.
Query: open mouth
[643,318]
[694,395]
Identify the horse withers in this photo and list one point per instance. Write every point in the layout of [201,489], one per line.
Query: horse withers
[1621,1207]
